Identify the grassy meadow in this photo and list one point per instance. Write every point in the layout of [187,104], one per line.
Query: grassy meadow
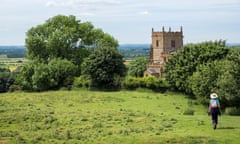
[132,117]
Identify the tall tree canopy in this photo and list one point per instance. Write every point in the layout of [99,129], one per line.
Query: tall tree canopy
[185,62]
[205,68]
[105,67]
[65,37]
[137,67]
[56,50]
[220,76]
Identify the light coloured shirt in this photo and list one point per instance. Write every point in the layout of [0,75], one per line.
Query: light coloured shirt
[214,102]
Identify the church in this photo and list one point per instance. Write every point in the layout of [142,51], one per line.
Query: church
[164,44]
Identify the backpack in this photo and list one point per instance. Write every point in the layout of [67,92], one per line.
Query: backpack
[213,103]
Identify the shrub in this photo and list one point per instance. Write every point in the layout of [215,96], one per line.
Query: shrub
[232,111]
[82,82]
[153,83]
[131,83]
[14,88]
[38,76]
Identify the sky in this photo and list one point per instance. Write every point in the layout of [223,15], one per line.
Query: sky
[129,21]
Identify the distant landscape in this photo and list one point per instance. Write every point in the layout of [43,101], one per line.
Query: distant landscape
[13,51]
[129,51]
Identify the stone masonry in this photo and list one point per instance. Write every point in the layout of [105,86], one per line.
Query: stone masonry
[164,44]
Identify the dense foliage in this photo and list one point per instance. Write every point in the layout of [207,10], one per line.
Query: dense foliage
[39,76]
[6,79]
[65,37]
[137,67]
[104,67]
[221,77]
[184,63]
[150,82]
[204,68]
[56,50]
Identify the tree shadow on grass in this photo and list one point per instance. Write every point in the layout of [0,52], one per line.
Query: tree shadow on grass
[227,127]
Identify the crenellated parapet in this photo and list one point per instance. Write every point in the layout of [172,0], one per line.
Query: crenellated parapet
[164,43]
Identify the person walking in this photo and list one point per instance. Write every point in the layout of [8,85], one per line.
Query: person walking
[214,109]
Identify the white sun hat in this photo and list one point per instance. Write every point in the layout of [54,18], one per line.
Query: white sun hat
[213,96]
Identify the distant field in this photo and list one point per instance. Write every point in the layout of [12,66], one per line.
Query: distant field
[81,116]
[11,63]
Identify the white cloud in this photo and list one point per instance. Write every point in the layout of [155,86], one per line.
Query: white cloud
[51,4]
[81,3]
[119,16]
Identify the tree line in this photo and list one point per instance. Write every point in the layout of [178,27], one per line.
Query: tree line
[13,51]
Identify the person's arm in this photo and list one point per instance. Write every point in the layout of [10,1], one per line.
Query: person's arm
[209,108]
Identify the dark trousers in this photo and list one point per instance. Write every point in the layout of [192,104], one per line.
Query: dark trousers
[214,112]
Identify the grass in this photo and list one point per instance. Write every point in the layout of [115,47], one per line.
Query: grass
[81,116]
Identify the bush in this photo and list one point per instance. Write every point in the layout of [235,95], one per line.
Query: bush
[153,83]
[131,83]
[14,88]
[38,76]
[232,111]
[82,82]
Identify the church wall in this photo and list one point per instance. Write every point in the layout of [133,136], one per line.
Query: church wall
[163,44]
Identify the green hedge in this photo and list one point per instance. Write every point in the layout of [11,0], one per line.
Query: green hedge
[130,83]
[82,82]
[150,82]
[232,111]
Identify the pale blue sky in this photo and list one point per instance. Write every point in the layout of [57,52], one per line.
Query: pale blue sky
[129,21]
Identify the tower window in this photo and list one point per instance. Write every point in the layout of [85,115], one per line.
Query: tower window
[173,43]
[157,43]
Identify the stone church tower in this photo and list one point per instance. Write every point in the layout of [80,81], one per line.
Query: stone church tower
[163,45]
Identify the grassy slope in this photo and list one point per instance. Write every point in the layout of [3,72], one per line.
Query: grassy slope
[108,117]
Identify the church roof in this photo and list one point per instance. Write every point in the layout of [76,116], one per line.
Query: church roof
[152,71]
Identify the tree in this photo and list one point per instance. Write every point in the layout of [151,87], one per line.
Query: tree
[41,79]
[185,62]
[137,67]
[66,38]
[39,76]
[56,50]
[5,79]
[228,83]
[24,77]
[105,67]
[204,80]
[62,73]
[219,76]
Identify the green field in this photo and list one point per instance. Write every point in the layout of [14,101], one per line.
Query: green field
[11,63]
[82,116]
